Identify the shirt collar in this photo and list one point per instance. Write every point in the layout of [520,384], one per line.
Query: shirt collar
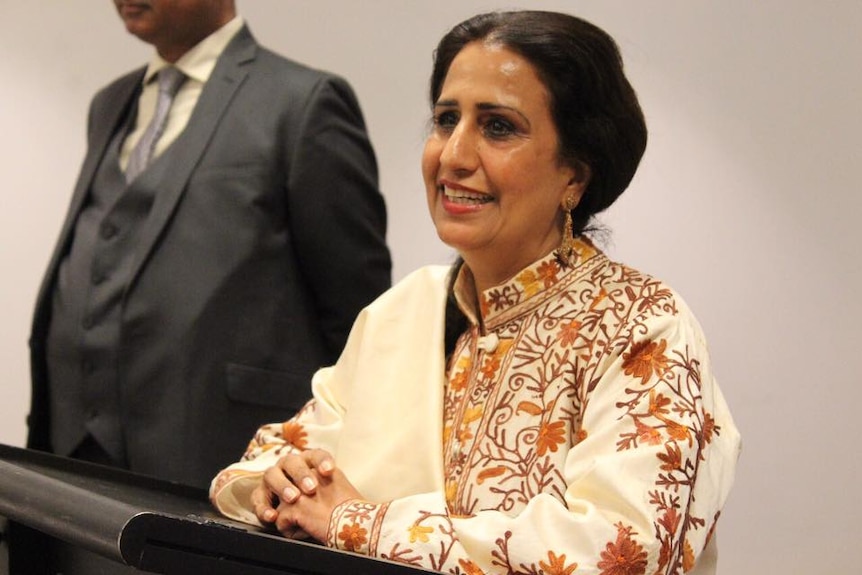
[531,285]
[199,62]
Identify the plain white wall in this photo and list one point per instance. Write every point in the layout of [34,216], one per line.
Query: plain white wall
[746,202]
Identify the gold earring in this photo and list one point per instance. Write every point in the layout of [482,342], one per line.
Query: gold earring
[567,245]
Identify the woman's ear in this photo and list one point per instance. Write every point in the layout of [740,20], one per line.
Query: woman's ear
[580,179]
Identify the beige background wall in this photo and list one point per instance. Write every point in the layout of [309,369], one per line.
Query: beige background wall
[746,202]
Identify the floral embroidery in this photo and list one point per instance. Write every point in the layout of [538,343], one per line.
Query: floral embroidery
[470,568]
[490,366]
[551,436]
[687,558]
[353,536]
[645,359]
[512,417]
[499,299]
[624,556]
[458,381]
[529,407]
[294,433]
[647,434]
[486,474]
[529,281]
[598,299]
[357,513]
[419,533]
[708,427]
[518,411]
[672,458]
[557,565]
[658,403]
[568,334]
[548,272]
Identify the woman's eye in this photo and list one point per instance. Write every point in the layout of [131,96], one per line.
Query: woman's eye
[499,128]
[446,120]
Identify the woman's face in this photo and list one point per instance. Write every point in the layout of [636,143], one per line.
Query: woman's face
[494,183]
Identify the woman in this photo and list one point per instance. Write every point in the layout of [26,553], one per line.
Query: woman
[538,409]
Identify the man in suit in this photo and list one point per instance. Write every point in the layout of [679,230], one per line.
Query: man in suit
[187,303]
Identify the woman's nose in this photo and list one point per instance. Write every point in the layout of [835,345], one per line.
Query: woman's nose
[459,152]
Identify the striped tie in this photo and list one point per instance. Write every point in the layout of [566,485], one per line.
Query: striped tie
[170,80]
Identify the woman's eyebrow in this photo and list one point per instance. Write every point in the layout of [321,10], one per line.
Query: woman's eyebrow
[484,106]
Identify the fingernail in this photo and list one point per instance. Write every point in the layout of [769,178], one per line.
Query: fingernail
[326,465]
[290,494]
[269,515]
[308,484]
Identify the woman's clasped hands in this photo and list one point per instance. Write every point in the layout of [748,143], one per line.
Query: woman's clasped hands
[298,494]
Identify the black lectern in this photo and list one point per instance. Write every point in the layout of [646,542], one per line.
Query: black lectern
[152,525]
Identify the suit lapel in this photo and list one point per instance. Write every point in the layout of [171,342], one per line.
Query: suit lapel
[186,151]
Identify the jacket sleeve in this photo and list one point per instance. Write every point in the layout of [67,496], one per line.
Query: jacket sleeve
[336,212]
[645,482]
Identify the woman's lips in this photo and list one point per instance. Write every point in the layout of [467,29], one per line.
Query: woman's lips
[466,197]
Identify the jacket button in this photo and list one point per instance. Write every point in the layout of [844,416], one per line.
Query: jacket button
[108,230]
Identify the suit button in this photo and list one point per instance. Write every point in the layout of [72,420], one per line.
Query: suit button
[108,230]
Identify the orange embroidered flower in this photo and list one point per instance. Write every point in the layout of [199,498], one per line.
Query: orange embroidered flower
[419,533]
[490,366]
[670,520]
[581,435]
[551,435]
[645,359]
[294,434]
[354,536]
[458,381]
[688,558]
[548,272]
[708,427]
[569,333]
[678,432]
[658,403]
[647,434]
[672,458]
[598,299]
[529,281]
[470,568]
[465,434]
[624,556]
[557,565]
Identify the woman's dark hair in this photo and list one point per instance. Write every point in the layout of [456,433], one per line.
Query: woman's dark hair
[596,112]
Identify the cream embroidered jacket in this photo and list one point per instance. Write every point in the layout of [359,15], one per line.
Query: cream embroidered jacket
[577,428]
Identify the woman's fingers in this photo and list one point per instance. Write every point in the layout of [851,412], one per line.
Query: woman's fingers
[263,503]
[321,461]
[301,472]
[278,498]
